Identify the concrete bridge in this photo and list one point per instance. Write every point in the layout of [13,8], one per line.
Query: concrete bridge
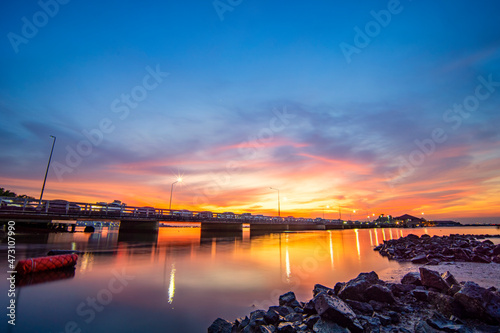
[146,219]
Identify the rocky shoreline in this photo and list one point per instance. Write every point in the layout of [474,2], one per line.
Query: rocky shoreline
[433,250]
[423,301]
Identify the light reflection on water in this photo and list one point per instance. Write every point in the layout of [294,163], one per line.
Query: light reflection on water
[171,287]
[181,279]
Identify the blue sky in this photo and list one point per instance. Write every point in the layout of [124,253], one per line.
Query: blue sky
[351,121]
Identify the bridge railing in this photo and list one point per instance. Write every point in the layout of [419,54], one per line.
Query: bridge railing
[51,207]
[115,211]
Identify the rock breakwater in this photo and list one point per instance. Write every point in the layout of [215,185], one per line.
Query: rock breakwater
[423,302]
[433,250]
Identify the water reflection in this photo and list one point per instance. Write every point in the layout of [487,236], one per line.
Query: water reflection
[86,262]
[171,286]
[287,260]
[44,277]
[205,275]
[357,243]
[331,248]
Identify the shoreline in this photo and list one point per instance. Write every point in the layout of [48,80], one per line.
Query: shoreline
[428,292]
[423,301]
[485,275]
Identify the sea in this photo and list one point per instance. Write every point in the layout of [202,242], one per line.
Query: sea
[181,279]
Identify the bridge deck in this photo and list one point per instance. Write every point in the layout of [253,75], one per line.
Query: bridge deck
[48,210]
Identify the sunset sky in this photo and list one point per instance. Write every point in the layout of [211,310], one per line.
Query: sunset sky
[378,106]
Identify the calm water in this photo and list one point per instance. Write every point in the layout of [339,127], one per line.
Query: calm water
[181,280]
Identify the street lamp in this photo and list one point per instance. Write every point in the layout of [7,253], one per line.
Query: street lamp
[272,188]
[48,165]
[179,180]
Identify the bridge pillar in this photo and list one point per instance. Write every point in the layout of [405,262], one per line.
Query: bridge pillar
[257,230]
[138,226]
[268,227]
[306,226]
[334,226]
[223,226]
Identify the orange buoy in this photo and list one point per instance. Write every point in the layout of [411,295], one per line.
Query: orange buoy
[41,264]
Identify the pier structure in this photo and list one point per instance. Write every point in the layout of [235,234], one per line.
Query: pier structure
[63,215]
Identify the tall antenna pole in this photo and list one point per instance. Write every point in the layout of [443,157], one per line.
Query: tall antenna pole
[48,165]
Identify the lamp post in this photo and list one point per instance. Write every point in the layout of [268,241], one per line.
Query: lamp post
[179,180]
[48,165]
[272,188]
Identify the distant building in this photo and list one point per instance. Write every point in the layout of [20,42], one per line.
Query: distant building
[446,223]
[382,219]
[409,221]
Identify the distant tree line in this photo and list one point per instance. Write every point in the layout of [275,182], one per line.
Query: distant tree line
[8,193]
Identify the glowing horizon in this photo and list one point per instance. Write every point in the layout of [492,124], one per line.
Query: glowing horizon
[399,120]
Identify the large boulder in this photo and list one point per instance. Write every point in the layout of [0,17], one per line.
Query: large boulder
[294,317]
[337,288]
[286,327]
[282,310]
[311,321]
[264,329]
[496,250]
[422,327]
[257,318]
[449,278]
[421,295]
[462,254]
[355,288]
[412,237]
[412,278]
[480,258]
[362,307]
[444,325]
[220,326]
[379,293]
[433,279]
[319,288]
[401,289]
[332,308]
[271,317]
[479,302]
[288,299]
[447,305]
[420,259]
[323,326]
[309,308]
